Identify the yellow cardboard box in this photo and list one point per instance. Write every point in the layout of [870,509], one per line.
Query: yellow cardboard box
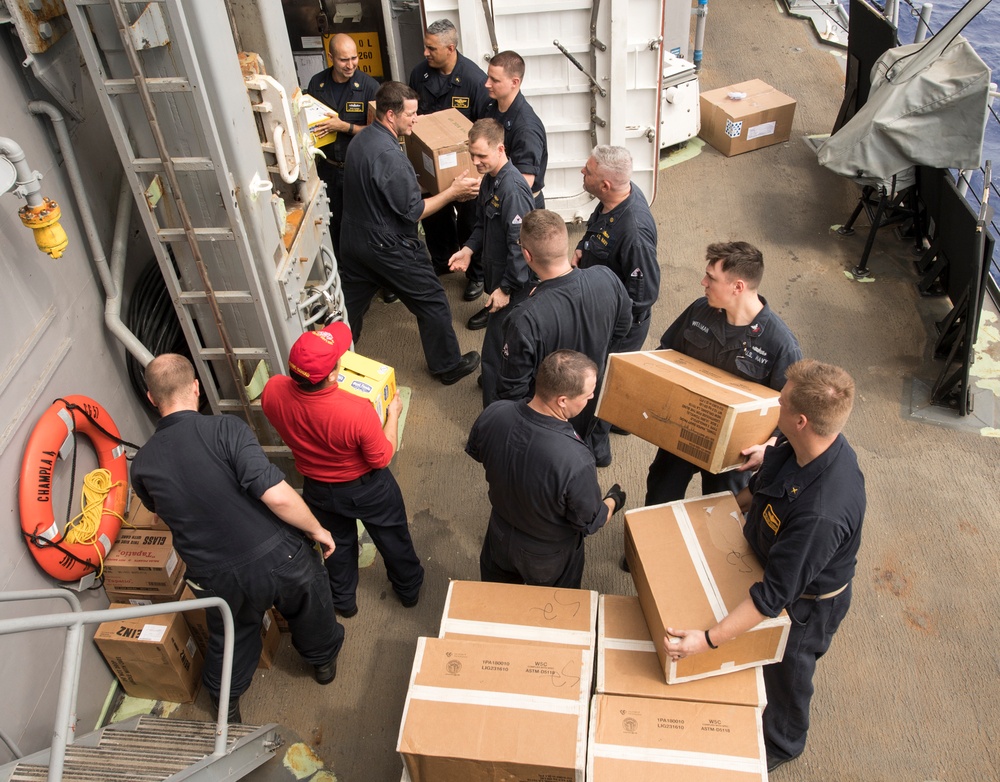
[369,379]
[316,112]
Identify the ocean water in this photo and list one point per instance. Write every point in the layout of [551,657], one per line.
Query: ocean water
[983,33]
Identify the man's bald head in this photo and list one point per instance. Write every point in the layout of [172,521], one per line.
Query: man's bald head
[344,53]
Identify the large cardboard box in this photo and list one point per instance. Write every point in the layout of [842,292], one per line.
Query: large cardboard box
[687,407]
[154,657]
[692,566]
[144,561]
[369,379]
[762,118]
[515,613]
[140,517]
[495,712]
[650,740]
[438,148]
[627,663]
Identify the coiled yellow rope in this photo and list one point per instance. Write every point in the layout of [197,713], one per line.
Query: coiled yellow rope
[85,528]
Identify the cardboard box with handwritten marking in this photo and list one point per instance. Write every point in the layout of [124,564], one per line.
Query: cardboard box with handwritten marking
[627,663]
[692,566]
[514,613]
[496,711]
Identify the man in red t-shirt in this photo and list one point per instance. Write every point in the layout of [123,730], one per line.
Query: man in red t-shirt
[343,452]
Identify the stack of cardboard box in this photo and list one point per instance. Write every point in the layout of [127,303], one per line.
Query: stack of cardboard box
[158,657]
[506,691]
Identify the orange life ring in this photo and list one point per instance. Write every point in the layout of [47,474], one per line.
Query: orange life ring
[52,439]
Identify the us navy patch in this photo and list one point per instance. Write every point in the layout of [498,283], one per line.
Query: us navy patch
[459,103]
[355,105]
[516,220]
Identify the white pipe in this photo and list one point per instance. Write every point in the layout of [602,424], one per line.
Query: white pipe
[924,25]
[28,181]
[113,304]
[79,190]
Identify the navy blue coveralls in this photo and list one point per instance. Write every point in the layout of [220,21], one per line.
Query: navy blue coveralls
[351,106]
[544,492]
[463,89]
[804,524]
[586,310]
[503,202]
[624,240]
[525,141]
[759,352]
[204,476]
[381,248]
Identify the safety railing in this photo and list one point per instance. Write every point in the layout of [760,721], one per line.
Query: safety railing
[64,730]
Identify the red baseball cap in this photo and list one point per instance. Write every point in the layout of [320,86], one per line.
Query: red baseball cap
[316,353]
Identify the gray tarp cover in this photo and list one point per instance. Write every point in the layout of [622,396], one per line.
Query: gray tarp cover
[926,107]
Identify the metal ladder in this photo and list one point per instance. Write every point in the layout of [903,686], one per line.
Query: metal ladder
[150,85]
[143,749]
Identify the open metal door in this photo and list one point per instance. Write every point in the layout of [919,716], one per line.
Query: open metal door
[593,74]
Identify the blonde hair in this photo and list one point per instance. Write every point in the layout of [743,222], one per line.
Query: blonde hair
[823,393]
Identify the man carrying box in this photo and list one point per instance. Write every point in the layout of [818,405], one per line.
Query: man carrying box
[380,244]
[732,328]
[238,525]
[343,451]
[504,199]
[543,481]
[804,511]
[447,79]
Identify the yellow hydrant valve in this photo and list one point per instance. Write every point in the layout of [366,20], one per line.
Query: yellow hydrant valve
[44,221]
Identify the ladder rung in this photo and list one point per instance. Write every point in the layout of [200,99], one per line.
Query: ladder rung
[241,353]
[223,297]
[201,234]
[153,83]
[277,450]
[149,164]
[235,405]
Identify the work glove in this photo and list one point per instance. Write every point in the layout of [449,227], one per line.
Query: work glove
[616,494]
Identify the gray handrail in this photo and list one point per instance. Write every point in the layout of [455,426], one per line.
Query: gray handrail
[74,622]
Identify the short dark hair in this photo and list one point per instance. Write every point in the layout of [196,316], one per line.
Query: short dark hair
[391,96]
[167,376]
[823,393]
[739,259]
[445,30]
[488,129]
[563,373]
[511,62]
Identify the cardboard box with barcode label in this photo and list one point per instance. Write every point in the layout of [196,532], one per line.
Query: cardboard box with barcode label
[438,148]
[154,657]
[650,740]
[515,613]
[627,663]
[702,414]
[692,566]
[146,597]
[489,711]
[369,379]
[734,125]
[144,561]
[270,638]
